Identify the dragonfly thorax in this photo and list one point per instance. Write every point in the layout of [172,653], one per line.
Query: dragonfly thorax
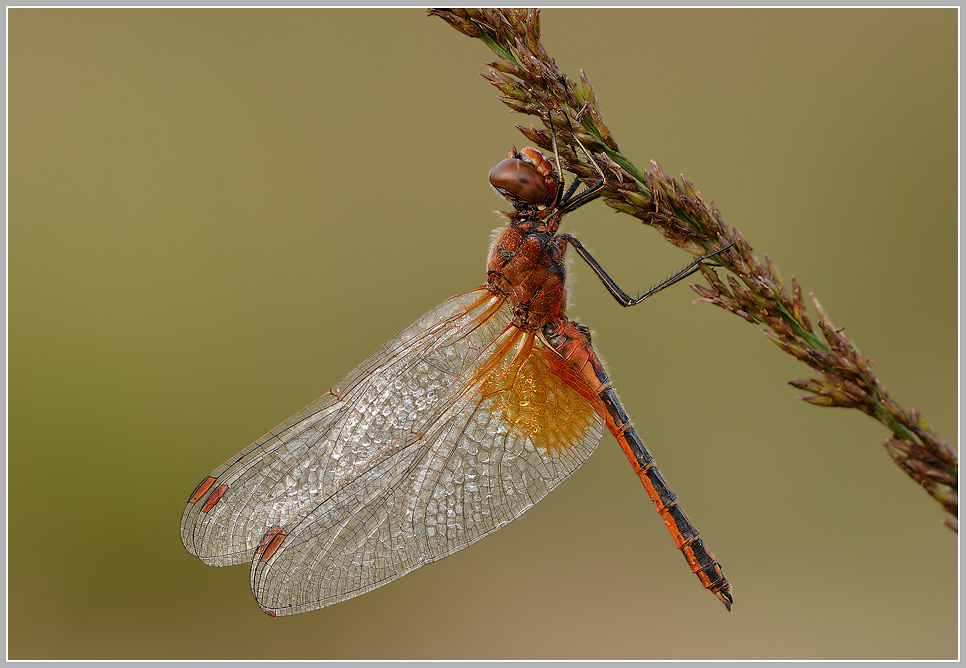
[526,267]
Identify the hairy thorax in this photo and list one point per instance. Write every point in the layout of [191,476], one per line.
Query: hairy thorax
[526,267]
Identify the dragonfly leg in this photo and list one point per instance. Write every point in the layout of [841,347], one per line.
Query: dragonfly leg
[568,202]
[622,297]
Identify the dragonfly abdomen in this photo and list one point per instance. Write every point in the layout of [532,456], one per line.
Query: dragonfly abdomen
[572,342]
[685,536]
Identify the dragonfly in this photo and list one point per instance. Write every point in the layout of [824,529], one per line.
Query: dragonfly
[455,427]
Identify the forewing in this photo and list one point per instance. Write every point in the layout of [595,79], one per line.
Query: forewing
[509,427]
[370,419]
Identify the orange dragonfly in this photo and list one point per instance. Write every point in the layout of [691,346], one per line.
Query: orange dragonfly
[452,429]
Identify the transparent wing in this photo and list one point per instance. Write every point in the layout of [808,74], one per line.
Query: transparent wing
[269,483]
[452,429]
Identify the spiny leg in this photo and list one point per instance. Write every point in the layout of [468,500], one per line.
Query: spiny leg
[622,297]
[569,202]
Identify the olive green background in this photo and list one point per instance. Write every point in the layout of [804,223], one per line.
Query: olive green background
[214,214]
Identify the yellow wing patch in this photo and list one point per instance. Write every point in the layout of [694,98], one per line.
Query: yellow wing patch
[534,399]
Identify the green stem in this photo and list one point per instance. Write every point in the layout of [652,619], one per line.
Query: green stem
[618,157]
[497,48]
[805,334]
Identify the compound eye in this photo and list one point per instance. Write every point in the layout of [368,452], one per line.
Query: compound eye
[520,179]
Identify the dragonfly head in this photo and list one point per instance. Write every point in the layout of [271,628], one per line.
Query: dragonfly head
[526,179]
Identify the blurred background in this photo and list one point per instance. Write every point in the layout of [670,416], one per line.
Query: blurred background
[214,214]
